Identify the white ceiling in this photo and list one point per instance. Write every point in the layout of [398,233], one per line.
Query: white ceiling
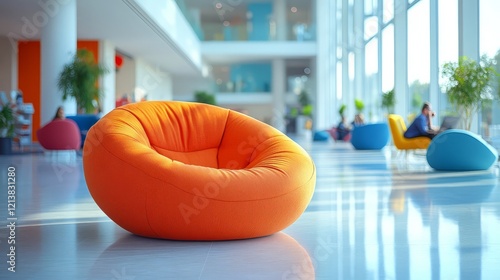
[110,20]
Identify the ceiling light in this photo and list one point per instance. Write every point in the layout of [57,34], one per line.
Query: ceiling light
[293,9]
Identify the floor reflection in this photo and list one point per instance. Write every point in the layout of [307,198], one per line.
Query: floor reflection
[457,198]
[277,256]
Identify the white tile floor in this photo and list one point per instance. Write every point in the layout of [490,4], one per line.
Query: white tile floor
[374,215]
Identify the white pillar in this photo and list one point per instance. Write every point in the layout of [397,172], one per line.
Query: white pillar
[380,14]
[108,81]
[58,46]
[468,39]
[359,51]
[278,92]
[468,29]
[326,107]
[434,90]
[345,58]
[279,11]
[401,56]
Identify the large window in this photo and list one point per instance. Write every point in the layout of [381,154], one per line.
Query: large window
[388,10]
[418,55]
[448,45]
[388,58]
[489,44]
[371,80]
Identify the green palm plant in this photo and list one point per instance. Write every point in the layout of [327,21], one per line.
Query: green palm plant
[342,109]
[389,101]
[6,122]
[79,80]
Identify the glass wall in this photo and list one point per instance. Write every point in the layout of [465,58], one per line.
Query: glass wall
[371,86]
[243,77]
[448,46]
[238,20]
[489,44]
[418,56]
[388,58]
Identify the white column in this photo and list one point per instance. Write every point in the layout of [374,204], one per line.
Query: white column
[58,46]
[345,58]
[278,92]
[434,90]
[359,51]
[401,56]
[108,81]
[468,29]
[279,11]
[378,108]
[325,110]
[468,39]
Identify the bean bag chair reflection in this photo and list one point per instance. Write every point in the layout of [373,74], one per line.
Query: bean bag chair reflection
[190,171]
[372,136]
[460,150]
[59,135]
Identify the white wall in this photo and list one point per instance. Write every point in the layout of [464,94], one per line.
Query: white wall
[108,81]
[184,87]
[8,69]
[152,82]
[262,112]
[125,78]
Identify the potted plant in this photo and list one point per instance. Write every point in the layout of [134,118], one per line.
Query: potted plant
[469,84]
[342,109]
[204,97]
[6,129]
[78,80]
[389,101]
[304,120]
[360,106]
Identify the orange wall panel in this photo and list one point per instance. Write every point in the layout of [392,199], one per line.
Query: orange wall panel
[29,77]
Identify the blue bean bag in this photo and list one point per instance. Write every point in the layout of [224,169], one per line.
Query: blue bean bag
[372,136]
[322,135]
[460,150]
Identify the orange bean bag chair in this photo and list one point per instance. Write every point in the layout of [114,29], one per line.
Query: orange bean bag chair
[190,171]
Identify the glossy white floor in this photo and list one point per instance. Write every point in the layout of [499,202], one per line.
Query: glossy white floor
[374,215]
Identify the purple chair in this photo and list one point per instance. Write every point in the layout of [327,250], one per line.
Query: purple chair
[59,135]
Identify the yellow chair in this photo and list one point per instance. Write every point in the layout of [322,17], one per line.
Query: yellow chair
[398,128]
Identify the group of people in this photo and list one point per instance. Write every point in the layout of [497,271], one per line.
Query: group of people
[421,125]
[343,129]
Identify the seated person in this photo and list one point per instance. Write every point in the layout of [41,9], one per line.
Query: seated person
[358,120]
[342,129]
[421,125]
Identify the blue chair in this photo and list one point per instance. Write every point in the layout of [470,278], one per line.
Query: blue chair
[460,150]
[84,122]
[372,136]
